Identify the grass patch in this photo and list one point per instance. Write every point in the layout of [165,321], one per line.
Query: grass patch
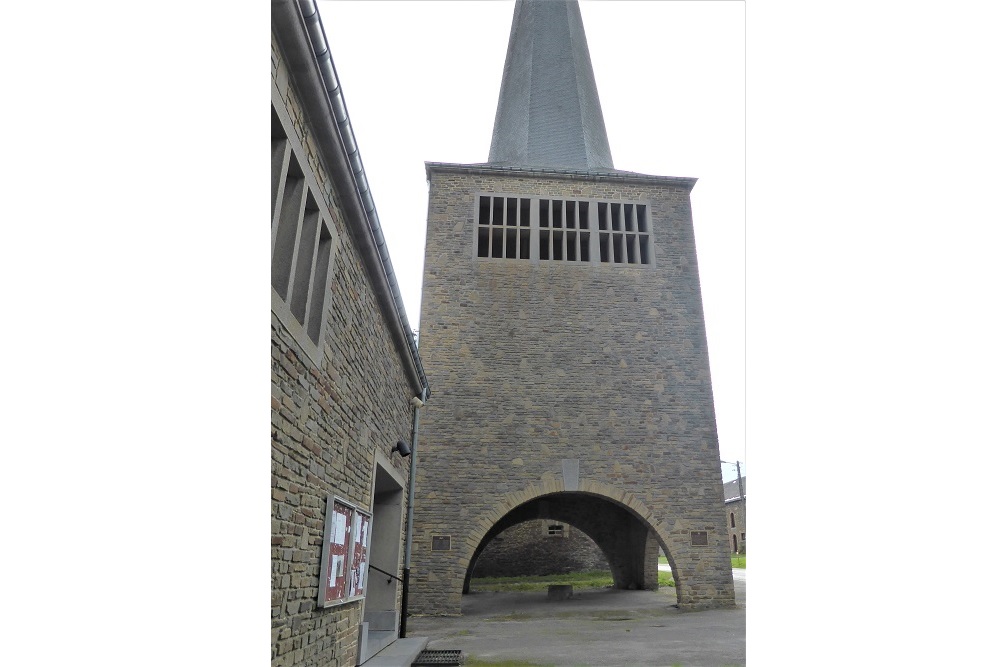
[611,615]
[591,579]
[473,661]
[579,580]
[737,560]
[515,616]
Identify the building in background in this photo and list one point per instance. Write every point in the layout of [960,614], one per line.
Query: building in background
[344,371]
[734,493]
[563,330]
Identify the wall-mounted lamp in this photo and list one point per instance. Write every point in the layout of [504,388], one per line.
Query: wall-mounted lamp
[402,448]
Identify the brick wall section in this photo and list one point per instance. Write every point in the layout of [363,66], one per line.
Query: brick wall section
[535,363]
[527,549]
[326,423]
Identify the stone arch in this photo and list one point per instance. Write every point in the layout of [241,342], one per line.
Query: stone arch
[625,529]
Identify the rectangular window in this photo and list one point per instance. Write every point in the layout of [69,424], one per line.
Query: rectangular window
[285,226]
[302,239]
[503,229]
[624,233]
[561,232]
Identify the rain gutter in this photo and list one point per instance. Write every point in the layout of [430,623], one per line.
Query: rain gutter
[328,112]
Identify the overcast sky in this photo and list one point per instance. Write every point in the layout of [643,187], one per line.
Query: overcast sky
[421,82]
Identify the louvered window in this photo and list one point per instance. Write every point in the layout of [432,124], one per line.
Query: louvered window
[583,231]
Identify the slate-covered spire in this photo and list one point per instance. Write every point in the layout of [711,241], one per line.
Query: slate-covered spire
[549,114]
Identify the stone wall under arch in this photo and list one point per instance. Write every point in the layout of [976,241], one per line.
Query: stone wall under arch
[537,548]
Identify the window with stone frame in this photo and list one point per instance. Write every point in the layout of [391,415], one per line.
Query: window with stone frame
[623,233]
[563,230]
[504,227]
[302,239]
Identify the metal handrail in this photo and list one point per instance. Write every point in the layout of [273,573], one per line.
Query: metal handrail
[385,573]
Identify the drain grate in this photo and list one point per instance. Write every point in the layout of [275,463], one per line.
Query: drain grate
[451,658]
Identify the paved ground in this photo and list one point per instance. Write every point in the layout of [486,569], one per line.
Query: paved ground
[600,628]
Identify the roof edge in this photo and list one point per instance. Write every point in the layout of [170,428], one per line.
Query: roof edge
[685,182]
[303,27]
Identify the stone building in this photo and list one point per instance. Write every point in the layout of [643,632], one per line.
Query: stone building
[563,331]
[344,372]
[734,494]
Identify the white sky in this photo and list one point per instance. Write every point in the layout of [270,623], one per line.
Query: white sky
[421,81]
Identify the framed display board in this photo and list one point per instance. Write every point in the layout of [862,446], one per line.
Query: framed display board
[359,562]
[344,563]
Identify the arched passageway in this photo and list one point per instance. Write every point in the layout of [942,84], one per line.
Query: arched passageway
[629,544]
[539,547]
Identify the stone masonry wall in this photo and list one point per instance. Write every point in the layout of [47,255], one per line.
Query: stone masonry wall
[534,363]
[529,549]
[326,423]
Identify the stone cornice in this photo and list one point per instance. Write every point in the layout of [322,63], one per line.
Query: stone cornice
[485,169]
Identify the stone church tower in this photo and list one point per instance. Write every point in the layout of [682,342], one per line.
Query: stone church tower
[563,333]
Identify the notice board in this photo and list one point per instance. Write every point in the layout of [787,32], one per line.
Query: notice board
[344,562]
[359,562]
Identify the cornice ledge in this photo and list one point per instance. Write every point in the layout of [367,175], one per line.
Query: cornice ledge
[614,175]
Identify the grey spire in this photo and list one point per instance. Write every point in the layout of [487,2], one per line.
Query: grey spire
[549,114]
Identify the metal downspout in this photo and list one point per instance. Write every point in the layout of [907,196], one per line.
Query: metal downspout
[409,517]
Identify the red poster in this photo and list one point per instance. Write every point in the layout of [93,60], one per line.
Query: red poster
[359,564]
[340,540]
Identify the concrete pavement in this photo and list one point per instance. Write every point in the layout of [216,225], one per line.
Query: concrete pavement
[596,627]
